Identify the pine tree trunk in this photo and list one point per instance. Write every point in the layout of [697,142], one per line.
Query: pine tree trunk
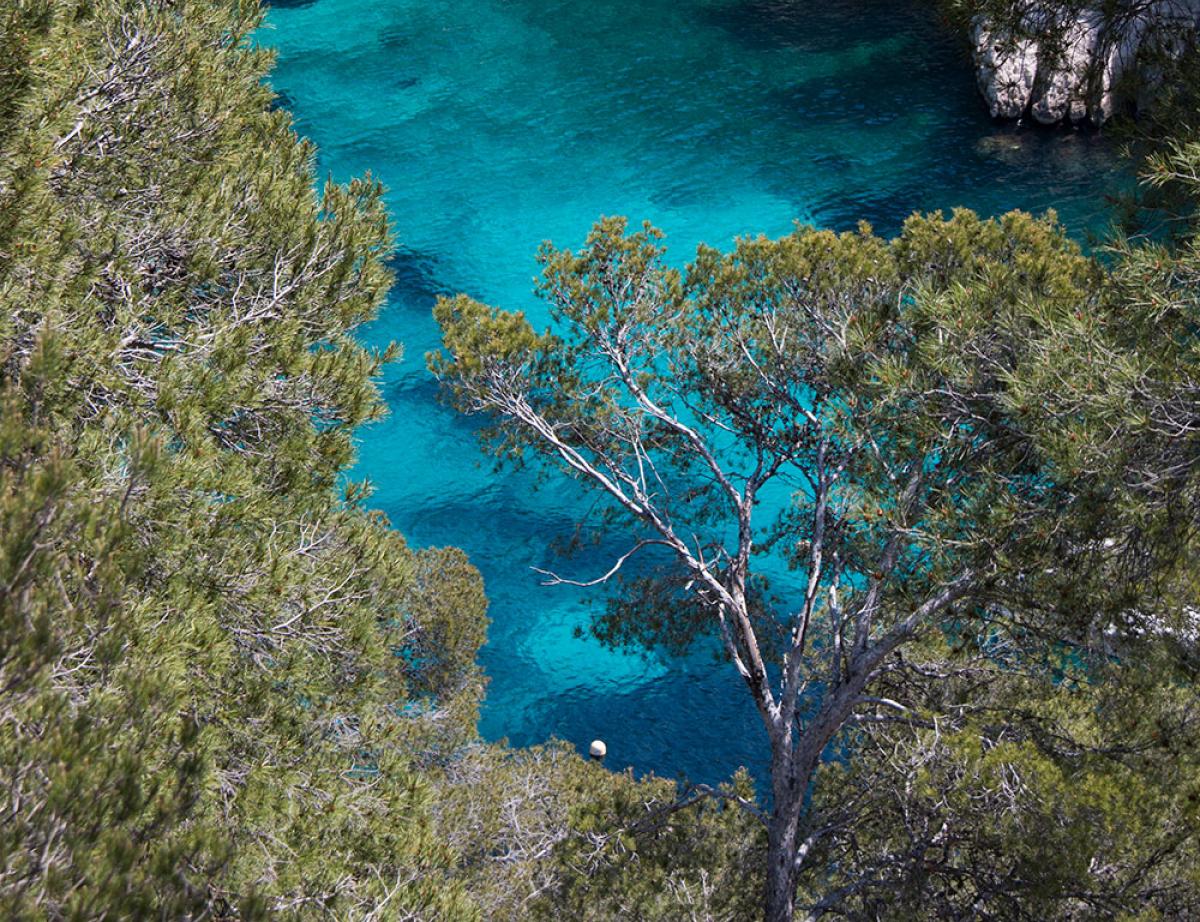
[782,836]
[781,876]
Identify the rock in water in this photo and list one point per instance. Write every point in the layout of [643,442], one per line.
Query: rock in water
[1072,66]
[1061,89]
[1005,67]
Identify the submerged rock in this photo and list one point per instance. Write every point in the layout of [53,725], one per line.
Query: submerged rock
[1009,148]
[1062,66]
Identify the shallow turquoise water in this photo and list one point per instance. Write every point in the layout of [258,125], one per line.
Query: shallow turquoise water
[499,123]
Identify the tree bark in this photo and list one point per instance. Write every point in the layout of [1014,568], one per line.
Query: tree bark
[791,778]
[781,875]
[794,762]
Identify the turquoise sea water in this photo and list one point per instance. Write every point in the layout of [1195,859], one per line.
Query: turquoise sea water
[497,124]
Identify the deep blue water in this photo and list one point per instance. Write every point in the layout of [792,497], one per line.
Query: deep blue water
[497,124]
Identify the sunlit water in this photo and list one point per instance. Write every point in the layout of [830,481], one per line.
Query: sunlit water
[497,124]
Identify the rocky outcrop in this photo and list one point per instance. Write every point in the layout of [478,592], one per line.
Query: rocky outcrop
[1056,66]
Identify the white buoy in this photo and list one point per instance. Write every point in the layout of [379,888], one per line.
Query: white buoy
[597,750]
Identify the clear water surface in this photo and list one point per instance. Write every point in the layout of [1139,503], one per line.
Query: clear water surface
[497,124]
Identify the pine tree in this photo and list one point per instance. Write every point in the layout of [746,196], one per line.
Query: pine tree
[211,705]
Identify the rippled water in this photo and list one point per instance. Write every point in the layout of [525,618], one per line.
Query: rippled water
[497,124]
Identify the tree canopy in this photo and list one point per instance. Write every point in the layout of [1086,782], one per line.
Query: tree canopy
[891,387]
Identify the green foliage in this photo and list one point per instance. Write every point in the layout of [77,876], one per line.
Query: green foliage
[99,751]
[1066,785]
[207,706]
[1013,794]
[557,837]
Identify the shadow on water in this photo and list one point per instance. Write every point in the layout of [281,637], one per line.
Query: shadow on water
[884,209]
[283,101]
[870,89]
[766,25]
[416,284]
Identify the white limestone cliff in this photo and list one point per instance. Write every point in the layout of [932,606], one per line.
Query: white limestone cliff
[1081,73]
